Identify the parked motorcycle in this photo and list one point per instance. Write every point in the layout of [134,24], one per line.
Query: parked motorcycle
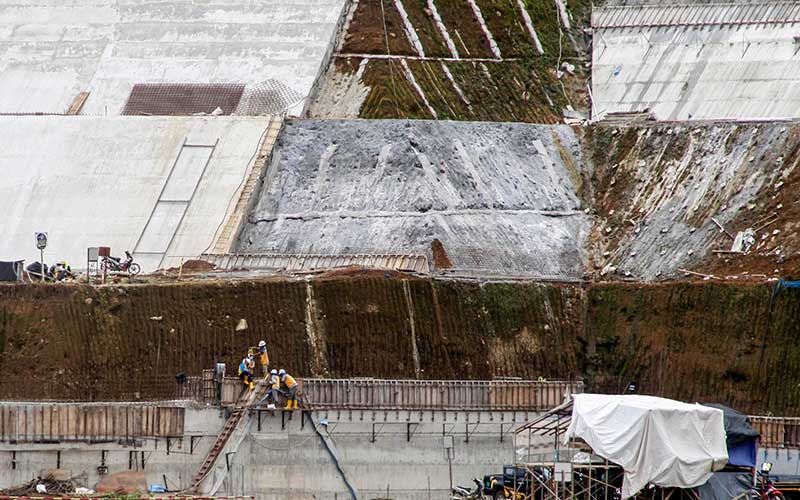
[118,265]
[465,493]
[765,489]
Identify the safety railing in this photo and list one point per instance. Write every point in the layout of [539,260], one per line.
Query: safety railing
[47,422]
[521,395]
[778,432]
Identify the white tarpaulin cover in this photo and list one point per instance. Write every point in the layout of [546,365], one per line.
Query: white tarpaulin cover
[654,440]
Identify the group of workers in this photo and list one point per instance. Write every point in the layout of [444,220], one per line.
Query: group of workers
[276,379]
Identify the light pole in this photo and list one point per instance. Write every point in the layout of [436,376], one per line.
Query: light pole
[41,244]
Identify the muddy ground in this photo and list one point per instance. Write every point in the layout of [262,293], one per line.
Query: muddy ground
[735,344]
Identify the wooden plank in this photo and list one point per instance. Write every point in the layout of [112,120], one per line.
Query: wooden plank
[77,103]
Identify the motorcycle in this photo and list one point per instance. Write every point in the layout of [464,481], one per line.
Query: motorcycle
[465,493]
[765,489]
[117,265]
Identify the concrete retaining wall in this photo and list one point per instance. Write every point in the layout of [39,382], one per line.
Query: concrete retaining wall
[698,62]
[51,52]
[501,198]
[284,458]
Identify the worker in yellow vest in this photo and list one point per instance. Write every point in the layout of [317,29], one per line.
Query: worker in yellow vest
[263,357]
[291,387]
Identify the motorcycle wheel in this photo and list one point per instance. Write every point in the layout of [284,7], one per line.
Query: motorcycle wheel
[499,495]
[134,269]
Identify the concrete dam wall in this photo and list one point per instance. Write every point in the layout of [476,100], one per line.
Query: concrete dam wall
[161,187]
[88,57]
[734,344]
[499,198]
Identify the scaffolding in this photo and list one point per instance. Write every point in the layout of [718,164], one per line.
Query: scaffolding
[571,470]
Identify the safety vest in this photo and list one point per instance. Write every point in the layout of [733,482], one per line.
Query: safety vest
[289,381]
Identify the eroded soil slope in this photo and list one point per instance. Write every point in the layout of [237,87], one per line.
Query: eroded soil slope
[488,60]
[664,191]
[735,344]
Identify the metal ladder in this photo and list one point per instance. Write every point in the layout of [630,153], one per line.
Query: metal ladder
[230,426]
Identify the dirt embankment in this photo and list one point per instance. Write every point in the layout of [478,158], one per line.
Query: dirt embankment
[458,63]
[664,191]
[735,344]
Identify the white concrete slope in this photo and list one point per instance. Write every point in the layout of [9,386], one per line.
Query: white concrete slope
[160,186]
[51,50]
[698,61]
[502,198]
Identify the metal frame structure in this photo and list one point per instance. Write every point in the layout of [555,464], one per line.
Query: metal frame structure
[570,476]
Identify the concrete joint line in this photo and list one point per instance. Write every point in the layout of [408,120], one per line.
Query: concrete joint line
[414,350]
[451,45]
[479,15]
[408,26]
[319,363]
[413,82]
[529,26]
[358,55]
[307,216]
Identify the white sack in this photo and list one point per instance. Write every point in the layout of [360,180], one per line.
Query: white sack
[654,440]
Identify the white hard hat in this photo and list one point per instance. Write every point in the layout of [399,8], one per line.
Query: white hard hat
[273,372]
[282,372]
[262,344]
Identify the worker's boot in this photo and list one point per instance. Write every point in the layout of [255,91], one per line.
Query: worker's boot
[294,404]
[252,386]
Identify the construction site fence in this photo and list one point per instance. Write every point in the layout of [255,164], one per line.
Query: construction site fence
[778,432]
[437,394]
[58,422]
[521,395]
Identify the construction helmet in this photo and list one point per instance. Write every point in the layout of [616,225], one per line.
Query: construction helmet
[262,344]
[273,372]
[282,372]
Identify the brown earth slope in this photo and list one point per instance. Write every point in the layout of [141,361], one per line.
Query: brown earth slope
[729,343]
[450,68]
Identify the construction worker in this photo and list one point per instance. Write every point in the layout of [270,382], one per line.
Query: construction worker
[273,388]
[291,387]
[246,371]
[263,357]
[60,271]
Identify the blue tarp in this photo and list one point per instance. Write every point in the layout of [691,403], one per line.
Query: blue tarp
[743,454]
